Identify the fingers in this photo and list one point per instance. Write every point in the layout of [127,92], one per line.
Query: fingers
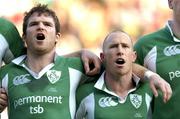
[93,67]
[156,82]
[91,62]
[168,93]
[166,90]
[154,90]
[3,99]
[86,66]
[92,72]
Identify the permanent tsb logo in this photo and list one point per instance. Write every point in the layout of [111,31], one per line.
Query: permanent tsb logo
[40,101]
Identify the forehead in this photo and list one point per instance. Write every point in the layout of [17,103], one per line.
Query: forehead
[41,17]
[118,37]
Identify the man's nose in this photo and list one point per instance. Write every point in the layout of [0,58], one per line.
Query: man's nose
[40,25]
[120,50]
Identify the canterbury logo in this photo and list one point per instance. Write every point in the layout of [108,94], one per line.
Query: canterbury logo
[172,50]
[22,79]
[107,102]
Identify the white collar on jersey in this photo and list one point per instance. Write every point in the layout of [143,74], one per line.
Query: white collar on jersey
[100,84]
[21,58]
[168,24]
[21,62]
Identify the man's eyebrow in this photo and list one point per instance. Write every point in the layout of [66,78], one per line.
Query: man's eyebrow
[113,44]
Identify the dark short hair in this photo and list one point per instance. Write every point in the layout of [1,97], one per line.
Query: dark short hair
[41,9]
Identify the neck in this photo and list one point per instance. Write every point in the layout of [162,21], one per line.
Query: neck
[175,25]
[120,85]
[37,62]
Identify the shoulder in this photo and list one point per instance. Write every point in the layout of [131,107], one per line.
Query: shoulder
[10,32]
[71,62]
[68,59]
[11,37]
[8,28]
[159,34]
[84,90]
[6,23]
[7,68]
[144,88]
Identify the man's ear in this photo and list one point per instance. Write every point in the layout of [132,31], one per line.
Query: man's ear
[134,56]
[58,35]
[24,40]
[170,3]
[102,56]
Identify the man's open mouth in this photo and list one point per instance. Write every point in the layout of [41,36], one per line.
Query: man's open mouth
[40,36]
[120,61]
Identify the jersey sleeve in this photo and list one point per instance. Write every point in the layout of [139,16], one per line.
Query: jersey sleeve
[77,63]
[138,47]
[82,92]
[4,77]
[81,111]
[12,40]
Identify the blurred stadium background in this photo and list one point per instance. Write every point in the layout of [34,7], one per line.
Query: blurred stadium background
[85,23]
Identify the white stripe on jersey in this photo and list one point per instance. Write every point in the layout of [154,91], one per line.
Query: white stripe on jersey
[6,54]
[150,59]
[5,83]
[75,77]
[148,100]
[87,104]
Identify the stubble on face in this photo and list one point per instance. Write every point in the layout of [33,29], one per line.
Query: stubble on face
[41,34]
[118,53]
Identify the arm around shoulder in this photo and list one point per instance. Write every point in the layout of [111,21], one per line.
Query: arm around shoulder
[155,81]
[91,61]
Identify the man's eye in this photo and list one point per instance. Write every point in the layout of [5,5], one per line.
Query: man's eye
[47,24]
[32,24]
[125,46]
[113,46]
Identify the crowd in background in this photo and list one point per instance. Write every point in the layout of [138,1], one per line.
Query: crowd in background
[85,23]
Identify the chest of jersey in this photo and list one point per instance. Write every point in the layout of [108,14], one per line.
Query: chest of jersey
[168,66]
[160,53]
[168,61]
[136,105]
[48,97]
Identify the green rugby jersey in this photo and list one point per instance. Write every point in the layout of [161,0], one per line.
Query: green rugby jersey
[160,52]
[97,102]
[11,44]
[47,95]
